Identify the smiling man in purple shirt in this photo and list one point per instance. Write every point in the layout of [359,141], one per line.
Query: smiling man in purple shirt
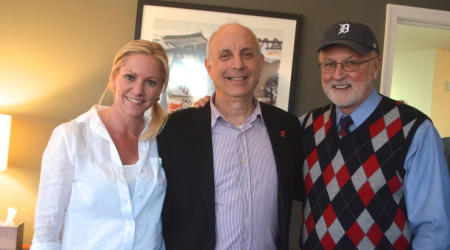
[232,165]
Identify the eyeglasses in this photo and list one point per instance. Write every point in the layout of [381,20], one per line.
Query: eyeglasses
[347,66]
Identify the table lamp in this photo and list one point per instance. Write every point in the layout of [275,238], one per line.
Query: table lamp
[5,130]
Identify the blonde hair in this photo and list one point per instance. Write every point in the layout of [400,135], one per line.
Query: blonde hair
[158,114]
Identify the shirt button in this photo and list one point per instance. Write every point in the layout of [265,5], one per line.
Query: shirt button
[242,161]
[139,196]
[245,190]
[142,171]
[142,152]
[246,220]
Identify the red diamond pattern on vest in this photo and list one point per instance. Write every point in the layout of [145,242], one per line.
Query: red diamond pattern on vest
[396,227]
[366,194]
[400,219]
[401,243]
[321,127]
[328,242]
[344,210]
[374,234]
[394,184]
[309,224]
[328,174]
[312,158]
[355,233]
[377,127]
[342,176]
[366,241]
[393,128]
[322,124]
[371,165]
[329,216]
[318,123]
[386,127]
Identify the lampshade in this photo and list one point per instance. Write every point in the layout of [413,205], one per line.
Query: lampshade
[5,130]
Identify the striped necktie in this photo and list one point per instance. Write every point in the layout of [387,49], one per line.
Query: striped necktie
[346,121]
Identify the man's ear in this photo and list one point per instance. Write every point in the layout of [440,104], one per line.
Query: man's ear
[261,64]
[208,66]
[376,67]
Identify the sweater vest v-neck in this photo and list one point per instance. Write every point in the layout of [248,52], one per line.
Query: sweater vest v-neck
[354,186]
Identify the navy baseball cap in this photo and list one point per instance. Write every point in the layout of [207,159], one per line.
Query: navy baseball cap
[355,35]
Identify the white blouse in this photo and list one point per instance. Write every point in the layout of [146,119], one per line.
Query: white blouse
[84,201]
[131,172]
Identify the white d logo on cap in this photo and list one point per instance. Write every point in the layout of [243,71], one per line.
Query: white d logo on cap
[344,28]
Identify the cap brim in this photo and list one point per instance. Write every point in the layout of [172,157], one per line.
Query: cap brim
[362,49]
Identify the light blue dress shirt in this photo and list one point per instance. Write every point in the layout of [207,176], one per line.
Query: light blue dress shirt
[426,182]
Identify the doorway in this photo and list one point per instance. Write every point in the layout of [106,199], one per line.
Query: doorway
[417,61]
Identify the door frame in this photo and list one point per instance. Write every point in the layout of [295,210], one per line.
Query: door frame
[399,14]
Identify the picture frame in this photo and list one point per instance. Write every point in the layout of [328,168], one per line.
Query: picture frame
[184,29]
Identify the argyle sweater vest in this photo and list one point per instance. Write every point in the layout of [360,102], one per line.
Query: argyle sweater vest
[353,186]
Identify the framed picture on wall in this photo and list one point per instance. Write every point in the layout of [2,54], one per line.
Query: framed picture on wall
[184,29]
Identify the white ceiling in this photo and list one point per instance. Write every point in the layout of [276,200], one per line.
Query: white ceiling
[411,38]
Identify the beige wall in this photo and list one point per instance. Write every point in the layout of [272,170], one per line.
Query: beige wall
[412,80]
[440,103]
[419,80]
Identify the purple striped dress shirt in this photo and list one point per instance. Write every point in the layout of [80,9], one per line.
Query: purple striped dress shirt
[245,178]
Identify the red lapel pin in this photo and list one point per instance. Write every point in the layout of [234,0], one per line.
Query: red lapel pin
[283,134]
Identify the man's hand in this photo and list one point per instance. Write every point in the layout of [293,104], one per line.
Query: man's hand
[185,103]
[201,102]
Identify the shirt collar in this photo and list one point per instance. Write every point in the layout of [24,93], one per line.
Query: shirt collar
[361,113]
[215,113]
[92,117]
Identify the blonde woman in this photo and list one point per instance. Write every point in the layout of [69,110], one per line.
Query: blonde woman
[102,185]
